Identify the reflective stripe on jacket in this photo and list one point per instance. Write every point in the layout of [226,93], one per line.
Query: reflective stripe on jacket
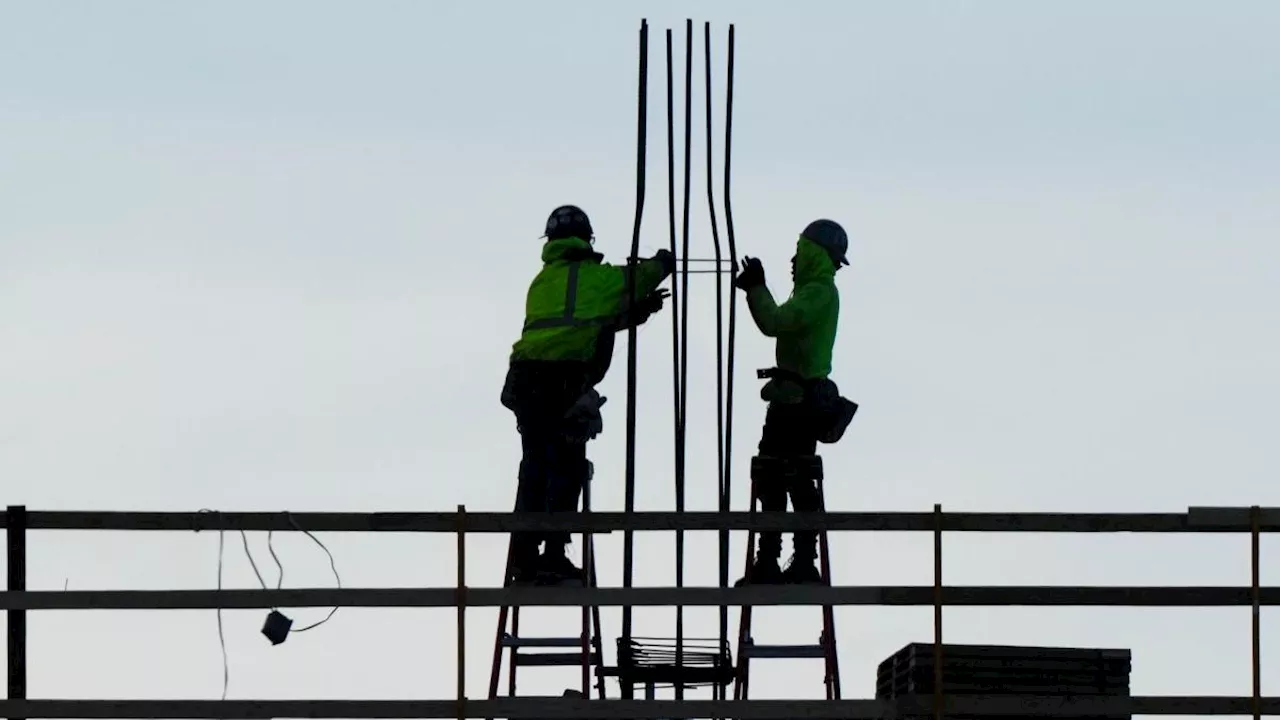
[574,298]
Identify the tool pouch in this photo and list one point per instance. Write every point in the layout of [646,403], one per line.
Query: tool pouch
[830,412]
[583,421]
[544,394]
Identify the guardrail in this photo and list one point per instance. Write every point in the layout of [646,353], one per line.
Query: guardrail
[17,600]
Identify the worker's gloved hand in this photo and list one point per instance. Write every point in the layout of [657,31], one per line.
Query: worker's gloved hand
[652,302]
[752,274]
[644,307]
[665,258]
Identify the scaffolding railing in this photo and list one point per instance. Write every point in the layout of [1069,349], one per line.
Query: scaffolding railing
[16,600]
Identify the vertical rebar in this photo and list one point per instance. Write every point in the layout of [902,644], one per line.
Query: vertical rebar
[733,298]
[1255,523]
[684,341]
[461,599]
[677,385]
[715,239]
[642,113]
[937,612]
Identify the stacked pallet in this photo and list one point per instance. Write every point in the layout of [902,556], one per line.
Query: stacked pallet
[1005,670]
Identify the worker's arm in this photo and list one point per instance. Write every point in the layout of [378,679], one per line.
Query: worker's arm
[808,302]
[647,275]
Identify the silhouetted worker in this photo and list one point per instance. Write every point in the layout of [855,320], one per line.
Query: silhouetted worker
[805,407]
[574,306]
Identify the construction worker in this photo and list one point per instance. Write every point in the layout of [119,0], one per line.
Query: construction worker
[573,308]
[804,405]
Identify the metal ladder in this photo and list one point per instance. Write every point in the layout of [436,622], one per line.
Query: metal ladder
[825,648]
[541,651]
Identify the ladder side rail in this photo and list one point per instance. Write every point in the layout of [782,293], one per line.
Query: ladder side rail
[588,564]
[832,680]
[742,674]
[503,613]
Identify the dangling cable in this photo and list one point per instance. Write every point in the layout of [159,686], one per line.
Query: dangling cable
[244,541]
[222,637]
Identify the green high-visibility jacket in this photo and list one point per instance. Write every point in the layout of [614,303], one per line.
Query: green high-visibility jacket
[575,298]
[804,325]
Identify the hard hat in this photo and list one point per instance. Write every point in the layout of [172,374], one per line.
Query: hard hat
[828,235]
[568,221]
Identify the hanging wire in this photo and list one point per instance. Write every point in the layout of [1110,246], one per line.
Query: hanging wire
[642,112]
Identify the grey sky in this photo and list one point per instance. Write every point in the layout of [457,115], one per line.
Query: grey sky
[262,256]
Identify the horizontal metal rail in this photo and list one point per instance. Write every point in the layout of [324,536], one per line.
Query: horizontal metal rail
[1195,520]
[17,600]
[920,595]
[545,708]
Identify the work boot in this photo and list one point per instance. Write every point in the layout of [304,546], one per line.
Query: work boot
[559,570]
[764,571]
[526,575]
[524,568]
[802,572]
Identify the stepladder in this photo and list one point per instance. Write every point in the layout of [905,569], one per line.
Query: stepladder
[582,650]
[774,480]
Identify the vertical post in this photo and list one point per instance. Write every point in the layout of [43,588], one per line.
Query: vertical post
[937,612]
[1255,522]
[16,523]
[461,599]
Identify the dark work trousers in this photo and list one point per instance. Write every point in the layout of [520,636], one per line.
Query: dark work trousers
[553,471]
[788,433]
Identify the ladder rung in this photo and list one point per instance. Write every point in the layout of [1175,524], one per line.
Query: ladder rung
[554,659]
[511,641]
[784,651]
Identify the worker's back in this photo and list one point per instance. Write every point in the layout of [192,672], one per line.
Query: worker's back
[568,303]
[573,307]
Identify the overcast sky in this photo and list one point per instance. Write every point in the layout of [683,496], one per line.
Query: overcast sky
[266,256]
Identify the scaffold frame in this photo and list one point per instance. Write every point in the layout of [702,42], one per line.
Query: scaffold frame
[16,600]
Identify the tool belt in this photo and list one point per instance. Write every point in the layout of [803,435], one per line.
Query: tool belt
[551,395]
[830,412]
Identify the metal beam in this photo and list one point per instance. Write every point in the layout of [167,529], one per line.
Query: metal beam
[1198,520]
[1122,596]
[547,708]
